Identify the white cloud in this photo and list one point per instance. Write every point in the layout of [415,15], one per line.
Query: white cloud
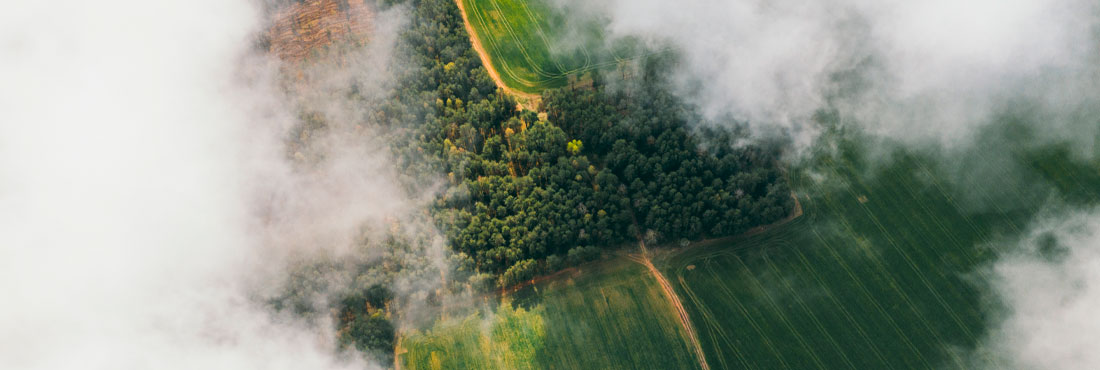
[915,70]
[1050,287]
[130,151]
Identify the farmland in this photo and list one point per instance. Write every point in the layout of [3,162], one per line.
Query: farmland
[610,315]
[880,271]
[533,46]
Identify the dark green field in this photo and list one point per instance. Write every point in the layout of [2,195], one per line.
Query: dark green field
[885,269]
[882,271]
[612,315]
[534,46]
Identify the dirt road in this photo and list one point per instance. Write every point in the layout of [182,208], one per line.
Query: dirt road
[674,299]
[527,100]
[685,320]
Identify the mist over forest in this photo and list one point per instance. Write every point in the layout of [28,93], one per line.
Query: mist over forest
[337,184]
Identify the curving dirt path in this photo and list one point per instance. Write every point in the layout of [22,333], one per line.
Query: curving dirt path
[398,350]
[674,299]
[527,100]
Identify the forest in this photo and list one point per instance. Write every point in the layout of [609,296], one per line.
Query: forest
[603,167]
[524,193]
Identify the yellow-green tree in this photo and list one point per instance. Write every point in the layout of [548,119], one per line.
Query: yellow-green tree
[574,147]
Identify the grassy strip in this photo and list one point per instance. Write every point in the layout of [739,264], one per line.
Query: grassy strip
[611,315]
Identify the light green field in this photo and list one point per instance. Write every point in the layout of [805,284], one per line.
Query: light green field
[611,316]
[534,47]
[882,271]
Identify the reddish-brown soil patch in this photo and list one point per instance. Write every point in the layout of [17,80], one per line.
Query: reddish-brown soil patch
[301,28]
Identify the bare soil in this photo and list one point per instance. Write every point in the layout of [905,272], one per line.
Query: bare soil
[301,28]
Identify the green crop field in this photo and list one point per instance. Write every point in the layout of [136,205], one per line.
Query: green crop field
[611,316]
[883,270]
[534,46]
[879,272]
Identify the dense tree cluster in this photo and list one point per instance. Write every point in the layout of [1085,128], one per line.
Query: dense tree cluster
[364,322]
[517,189]
[679,185]
[602,169]
[354,288]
